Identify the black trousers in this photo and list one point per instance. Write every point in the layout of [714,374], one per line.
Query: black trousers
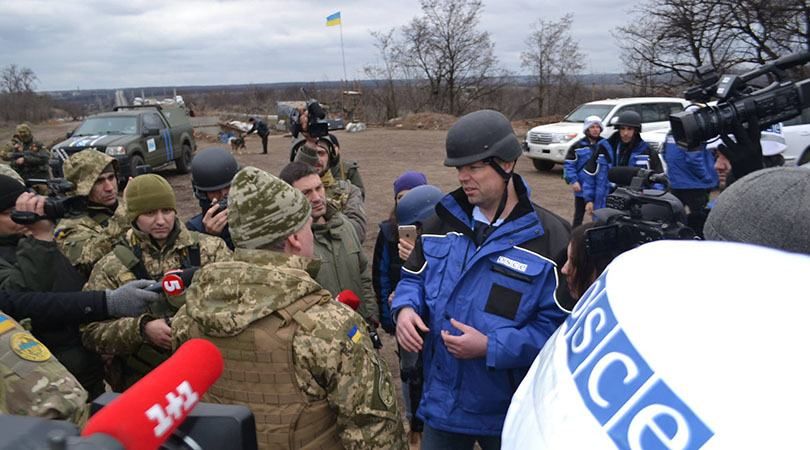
[264,143]
[579,210]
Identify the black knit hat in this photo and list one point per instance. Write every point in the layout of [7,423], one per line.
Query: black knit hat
[10,189]
[770,207]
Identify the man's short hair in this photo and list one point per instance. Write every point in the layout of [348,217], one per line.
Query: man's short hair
[294,171]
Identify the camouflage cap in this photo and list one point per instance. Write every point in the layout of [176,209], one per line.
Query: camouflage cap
[23,131]
[83,168]
[263,209]
[6,170]
[147,193]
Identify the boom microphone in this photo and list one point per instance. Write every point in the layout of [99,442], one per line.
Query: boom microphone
[349,298]
[146,414]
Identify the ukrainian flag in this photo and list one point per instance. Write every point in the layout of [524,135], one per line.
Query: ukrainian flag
[333,20]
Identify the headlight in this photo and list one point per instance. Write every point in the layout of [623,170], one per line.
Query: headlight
[116,150]
[557,138]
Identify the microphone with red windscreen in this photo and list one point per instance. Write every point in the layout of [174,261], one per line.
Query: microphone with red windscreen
[146,414]
[174,282]
[349,298]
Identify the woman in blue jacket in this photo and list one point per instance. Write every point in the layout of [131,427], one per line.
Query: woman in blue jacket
[581,167]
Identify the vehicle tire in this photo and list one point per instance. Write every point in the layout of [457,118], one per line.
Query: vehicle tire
[543,165]
[135,161]
[183,163]
[805,158]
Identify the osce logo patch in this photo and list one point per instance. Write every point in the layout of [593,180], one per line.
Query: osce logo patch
[512,264]
[630,401]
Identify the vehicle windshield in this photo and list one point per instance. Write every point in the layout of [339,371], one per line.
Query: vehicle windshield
[108,125]
[581,113]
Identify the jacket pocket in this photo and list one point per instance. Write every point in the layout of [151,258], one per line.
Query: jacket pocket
[436,252]
[484,391]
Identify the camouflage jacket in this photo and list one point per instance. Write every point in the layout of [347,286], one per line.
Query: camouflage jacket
[332,357]
[344,264]
[348,199]
[122,336]
[86,239]
[36,157]
[349,170]
[34,383]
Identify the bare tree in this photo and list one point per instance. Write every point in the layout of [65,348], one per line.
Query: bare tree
[553,57]
[16,80]
[675,37]
[446,47]
[386,73]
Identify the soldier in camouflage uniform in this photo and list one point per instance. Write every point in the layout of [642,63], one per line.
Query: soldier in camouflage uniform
[344,196]
[34,383]
[344,264]
[342,168]
[84,239]
[157,243]
[298,359]
[33,160]
[11,173]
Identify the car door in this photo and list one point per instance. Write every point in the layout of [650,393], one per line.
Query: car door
[158,146]
[655,116]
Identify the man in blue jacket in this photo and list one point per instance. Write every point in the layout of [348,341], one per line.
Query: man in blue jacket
[480,293]
[692,177]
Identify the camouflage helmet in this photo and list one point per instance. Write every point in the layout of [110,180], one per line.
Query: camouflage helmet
[263,209]
[6,170]
[23,132]
[83,169]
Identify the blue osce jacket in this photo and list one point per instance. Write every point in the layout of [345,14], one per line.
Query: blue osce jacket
[580,160]
[505,289]
[596,187]
[689,169]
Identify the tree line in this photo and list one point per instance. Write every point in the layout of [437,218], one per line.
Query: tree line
[444,61]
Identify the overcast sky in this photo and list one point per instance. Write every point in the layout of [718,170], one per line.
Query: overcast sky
[116,44]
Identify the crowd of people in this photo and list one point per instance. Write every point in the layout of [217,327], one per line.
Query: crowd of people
[472,283]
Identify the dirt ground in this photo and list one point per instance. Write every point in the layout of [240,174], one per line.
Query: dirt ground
[382,154]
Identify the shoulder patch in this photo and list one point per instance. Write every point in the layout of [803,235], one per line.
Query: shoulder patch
[29,348]
[59,234]
[6,324]
[354,334]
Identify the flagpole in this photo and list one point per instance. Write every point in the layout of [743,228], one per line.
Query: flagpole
[342,53]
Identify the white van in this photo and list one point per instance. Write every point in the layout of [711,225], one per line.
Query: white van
[547,145]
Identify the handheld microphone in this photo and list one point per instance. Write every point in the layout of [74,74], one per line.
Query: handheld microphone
[146,414]
[349,298]
[174,283]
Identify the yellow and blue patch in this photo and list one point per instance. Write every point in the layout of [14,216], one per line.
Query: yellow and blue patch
[29,348]
[355,335]
[6,324]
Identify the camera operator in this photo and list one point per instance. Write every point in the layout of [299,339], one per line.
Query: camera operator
[344,169]
[31,261]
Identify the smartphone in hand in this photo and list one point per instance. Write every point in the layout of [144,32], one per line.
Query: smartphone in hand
[408,232]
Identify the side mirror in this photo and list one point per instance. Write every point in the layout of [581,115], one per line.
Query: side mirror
[151,132]
[69,134]
[613,120]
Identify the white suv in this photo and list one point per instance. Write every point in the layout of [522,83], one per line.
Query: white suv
[547,145]
[797,139]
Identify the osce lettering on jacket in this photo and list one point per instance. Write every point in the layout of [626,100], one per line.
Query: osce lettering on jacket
[633,404]
[512,264]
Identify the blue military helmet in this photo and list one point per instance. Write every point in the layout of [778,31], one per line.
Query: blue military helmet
[417,205]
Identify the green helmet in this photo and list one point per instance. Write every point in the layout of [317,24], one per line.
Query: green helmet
[83,168]
[23,132]
[481,135]
[263,209]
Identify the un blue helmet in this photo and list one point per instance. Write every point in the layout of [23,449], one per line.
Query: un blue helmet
[417,205]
